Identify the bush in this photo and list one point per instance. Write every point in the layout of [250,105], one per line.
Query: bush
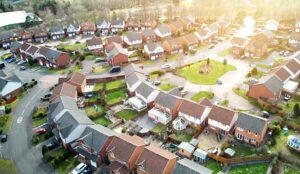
[7,109]
[158,72]
[44,149]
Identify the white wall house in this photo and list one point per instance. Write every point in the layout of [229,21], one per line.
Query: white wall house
[95,47]
[159,116]
[272,25]
[155,53]
[193,120]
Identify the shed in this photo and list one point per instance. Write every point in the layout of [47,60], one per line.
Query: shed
[200,155]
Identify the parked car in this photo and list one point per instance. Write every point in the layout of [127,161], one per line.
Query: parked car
[21,62]
[286,97]
[79,168]
[88,95]
[211,46]
[10,60]
[265,114]
[99,59]
[115,69]
[22,68]
[183,93]
[2,66]
[219,82]
[40,131]
[166,66]
[51,146]
[3,138]
[48,95]
[156,82]
[180,88]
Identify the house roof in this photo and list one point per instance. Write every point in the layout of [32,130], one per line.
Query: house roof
[131,68]
[175,92]
[175,43]
[117,49]
[238,41]
[191,108]
[115,38]
[153,46]
[155,159]
[73,28]
[200,153]
[56,29]
[187,166]
[134,78]
[191,38]
[281,73]
[167,100]
[94,41]
[24,47]
[32,49]
[50,54]
[88,26]
[40,32]
[202,31]
[77,78]
[251,122]
[117,22]
[221,114]
[293,66]
[186,146]
[205,102]
[273,83]
[59,104]
[145,89]
[7,35]
[163,29]
[134,36]
[2,74]
[14,46]
[176,24]
[148,33]
[123,146]
[295,36]
[103,23]
[64,89]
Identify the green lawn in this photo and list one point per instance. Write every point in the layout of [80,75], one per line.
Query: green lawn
[167,86]
[75,68]
[242,151]
[94,98]
[250,169]
[102,121]
[114,85]
[39,122]
[115,97]
[92,112]
[202,94]
[213,165]
[290,170]
[72,47]
[36,139]
[101,69]
[158,128]
[182,136]
[264,66]
[90,57]
[57,71]
[99,87]
[40,113]
[7,166]
[5,122]
[191,73]
[225,52]
[127,114]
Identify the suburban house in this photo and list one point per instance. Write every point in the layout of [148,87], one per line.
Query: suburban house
[117,55]
[117,26]
[214,30]
[70,126]
[194,113]
[57,33]
[15,49]
[153,51]
[51,58]
[10,88]
[24,47]
[203,35]
[148,23]
[165,108]
[145,95]
[123,153]
[250,128]
[173,45]
[163,32]
[64,89]
[78,80]
[93,143]
[222,120]
[205,102]
[224,26]
[190,41]
[294,39]
[268,87]
[40,35]
[238,46]
[188,166]
[133,81]
[258,44]
[272,25]
[6,39]
[186,150]
[188,23]
[88,28]
[95,45]
[176,27]
[148,36]
[133,24]
[155,160]
[23,36]
[133,40]
[114,39]
[103,27]
[73,30]
[30,53]
[133,68]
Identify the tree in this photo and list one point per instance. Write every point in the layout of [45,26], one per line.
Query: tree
[296,110]
[225,62]
[254,71]
[207,61]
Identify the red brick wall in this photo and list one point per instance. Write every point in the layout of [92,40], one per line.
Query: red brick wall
[257,91]
[63,61]
[119,60]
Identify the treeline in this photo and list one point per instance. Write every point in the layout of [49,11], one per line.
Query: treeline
[5,6]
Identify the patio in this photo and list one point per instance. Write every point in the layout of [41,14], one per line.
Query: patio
[208,141]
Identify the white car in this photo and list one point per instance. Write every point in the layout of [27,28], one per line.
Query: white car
[79,168]
[21,62]
[156,82]
[166,66]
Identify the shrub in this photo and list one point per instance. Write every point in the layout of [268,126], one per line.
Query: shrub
[44,149]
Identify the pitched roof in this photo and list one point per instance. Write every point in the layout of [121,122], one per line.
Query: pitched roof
[167,100]
[115,38]
[134,36]
[88,26]
[295,36]
[293,66]
[273,83]
[202,31]
[123,146]
[131,68]
[148,33]
[145,89]
[252,123]
[175,43]
[64,89]
[32,49]
[187,166]
[153,46]
[24,47]
[117,22]
[155,159]
[7,35]
[176,24]
[77,78]
[14,46]
[221,114]
[205,102]
[56,29]
[134,78]
[191,38]
[191,108]
[94,41]
[281,73]
[238,41]
[117,49]
[163,29]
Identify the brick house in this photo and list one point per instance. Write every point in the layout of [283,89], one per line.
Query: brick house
[155,160]
[173,45]
[52,58]
[238,46]
[117,26]
[6,39]
[64,89]
[190,41]
[24,47]
[73,30]
[148,23]
[133,24]
[95,45]
[57,32]
[24,36]
[133,40]
[188,166]
[153,51]
[251,129]
[176,27]
[163,32]
[88,29]
[92,145]
[123,152]
[15,49]
[258,45]
[78,80]
[222,120]
[187,23]
[40,35]
[103,27]
[148,36]
[114,39]
[294,39]
[117,55]
[203,35]
[10,88]
[268,87]
[133,81]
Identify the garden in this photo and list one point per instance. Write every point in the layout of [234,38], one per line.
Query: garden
[205,72]
[260,168]
[114,85]
[127,114]
[7,166]
[213,165]
[202,94]
[39,117]
[115,97]
[167,86]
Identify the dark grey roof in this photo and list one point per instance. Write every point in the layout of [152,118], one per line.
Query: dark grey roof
[187,166]
[3,83]
[134,77]
[117,22]
[163,29]
[57,29]
[145,89]
[14,78]
[73,28]
[6,35]
[148,33]
[96,136]
[14,46]
[86,154]
[134,36]
[32,49]
[166,100]
[131,68]
[61,103]
[252,123]
[273,83]
[152,46]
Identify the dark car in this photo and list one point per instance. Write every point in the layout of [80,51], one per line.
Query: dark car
[2,66]
[265,114]
[22,68]
[88,95]
[3,138]
[51,146]
[115,69]
[11,60]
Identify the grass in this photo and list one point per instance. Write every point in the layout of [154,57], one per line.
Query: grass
[93,114]
[99,87]
[39,112]
[225,52]
[213,165]
[192,74]
[94,98]
[202,94]
[117,84]
[102,121]
[290,170]
[72,47]
[56,71]
[250,169]
[39,122]
[127,114]
[75,68]
[182,136]
[101,69]
[7,166]
[288,107]
[67,165]
[167,86]
[36,139]
[158,129]
[5,122]
[242,151]
[90,57]
[115,97]
[264,66]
